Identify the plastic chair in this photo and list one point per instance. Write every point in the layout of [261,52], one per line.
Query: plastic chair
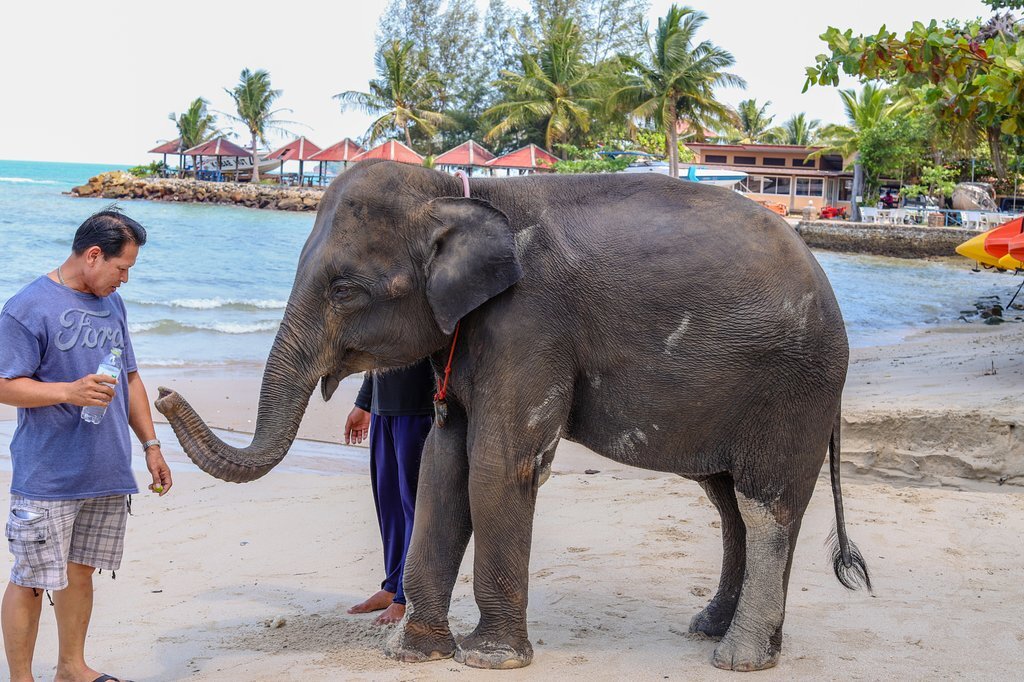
[869,215]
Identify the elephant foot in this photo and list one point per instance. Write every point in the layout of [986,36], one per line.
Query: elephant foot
[745,654]
[419,642]
[714,620]
[494,653]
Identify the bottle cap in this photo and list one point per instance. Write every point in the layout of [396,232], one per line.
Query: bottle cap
[116,351]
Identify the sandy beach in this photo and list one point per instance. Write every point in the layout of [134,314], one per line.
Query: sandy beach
[622,558]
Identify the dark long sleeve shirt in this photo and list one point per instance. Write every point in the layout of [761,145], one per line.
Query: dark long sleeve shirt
[399,392]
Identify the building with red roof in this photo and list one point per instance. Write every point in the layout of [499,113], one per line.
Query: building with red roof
[343,151]
[218,147]
[300,149]
[392,150]
[530,158]
[466,156]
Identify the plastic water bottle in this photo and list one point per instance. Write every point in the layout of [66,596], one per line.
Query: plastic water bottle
[111,366]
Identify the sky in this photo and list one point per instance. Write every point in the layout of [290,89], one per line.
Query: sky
[92,83]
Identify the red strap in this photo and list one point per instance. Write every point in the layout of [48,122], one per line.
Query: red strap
[442,389]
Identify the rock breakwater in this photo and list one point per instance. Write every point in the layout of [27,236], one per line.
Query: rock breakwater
[121,185]
[900,241]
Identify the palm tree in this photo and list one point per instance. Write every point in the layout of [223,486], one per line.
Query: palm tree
[864,111]
[676,80]
[402,95]
[254,99]
[196,125]
[799,130]
[753,124]
[556,90]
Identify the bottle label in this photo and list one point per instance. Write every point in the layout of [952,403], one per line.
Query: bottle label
[109,371]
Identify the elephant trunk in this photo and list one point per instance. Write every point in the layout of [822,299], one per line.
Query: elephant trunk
[288,381]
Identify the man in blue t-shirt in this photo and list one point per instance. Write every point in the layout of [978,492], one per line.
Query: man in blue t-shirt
[71,478]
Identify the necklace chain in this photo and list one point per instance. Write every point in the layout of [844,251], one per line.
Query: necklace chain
[60,277]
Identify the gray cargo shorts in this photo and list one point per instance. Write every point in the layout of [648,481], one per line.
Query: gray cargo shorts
[44,535]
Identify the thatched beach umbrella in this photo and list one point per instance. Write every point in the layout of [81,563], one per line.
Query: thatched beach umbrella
[467,156]
[528,159]
[300,149]
[392,150]
[218,147]
[343,152]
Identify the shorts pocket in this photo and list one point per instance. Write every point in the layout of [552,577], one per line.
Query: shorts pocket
[33,544]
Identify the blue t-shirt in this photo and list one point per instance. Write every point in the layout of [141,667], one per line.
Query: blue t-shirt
[52,333]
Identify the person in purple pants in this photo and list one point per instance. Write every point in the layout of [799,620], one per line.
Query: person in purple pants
[396,408]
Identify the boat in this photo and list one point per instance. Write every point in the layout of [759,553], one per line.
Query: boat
[644,163]
[227,164]
[1001,247]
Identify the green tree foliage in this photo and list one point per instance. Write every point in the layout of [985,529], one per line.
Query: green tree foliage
[971,77]
[254,103]
[676,79]
[936,182]
[196,125]
[401,96]
[753,124]
[893,148]
[1004,4]
[798,129]
[554,90]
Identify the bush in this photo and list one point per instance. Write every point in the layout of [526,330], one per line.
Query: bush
[155,168]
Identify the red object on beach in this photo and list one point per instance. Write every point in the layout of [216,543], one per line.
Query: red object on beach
[1015,245]
[172,147]
[997,243]
[467,154]
[343,151]
[392,150]
[529,157]
[218,146]
[299,149]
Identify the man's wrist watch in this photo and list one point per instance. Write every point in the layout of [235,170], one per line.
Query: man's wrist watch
[148,444]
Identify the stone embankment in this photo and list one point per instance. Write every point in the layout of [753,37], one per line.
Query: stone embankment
[121,185]
[901,241]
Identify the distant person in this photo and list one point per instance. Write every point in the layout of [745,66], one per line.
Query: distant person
[396,408]
[888,200]
[71,478]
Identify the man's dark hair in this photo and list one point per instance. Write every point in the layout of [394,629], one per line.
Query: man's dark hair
[110,230]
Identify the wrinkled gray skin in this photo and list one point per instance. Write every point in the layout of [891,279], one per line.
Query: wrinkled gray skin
[663,324]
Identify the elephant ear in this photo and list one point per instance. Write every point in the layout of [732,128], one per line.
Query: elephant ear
[472,258]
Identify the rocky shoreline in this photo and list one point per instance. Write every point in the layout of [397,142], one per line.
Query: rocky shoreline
[121,185]
[904,241]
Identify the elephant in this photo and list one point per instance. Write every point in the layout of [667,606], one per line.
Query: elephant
[664,324]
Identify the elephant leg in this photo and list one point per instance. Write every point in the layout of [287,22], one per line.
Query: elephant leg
[715,618]
[754,639]
[505,473]
[441,531]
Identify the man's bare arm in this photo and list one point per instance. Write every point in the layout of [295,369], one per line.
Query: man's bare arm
[27,392]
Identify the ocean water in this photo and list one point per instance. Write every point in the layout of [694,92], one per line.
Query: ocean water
[211,284]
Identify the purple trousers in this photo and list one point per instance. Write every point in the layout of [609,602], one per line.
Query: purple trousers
[396,444]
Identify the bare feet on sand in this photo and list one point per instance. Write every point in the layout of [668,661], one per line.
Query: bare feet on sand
[377,602]
[391,615]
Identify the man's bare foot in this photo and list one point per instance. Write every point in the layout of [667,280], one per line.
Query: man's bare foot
[377,602]
[391,615]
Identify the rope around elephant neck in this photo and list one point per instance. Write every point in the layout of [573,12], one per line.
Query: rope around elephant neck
[442,387]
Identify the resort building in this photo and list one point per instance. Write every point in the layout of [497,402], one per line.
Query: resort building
[782,173]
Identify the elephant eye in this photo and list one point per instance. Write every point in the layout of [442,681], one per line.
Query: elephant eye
[343,291]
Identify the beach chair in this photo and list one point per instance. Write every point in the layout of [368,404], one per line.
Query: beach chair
[869,215]
[971,219]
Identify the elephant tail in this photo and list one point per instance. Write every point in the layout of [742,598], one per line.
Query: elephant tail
[847,561]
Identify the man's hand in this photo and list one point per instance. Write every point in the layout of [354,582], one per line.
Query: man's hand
[357,426]
[92,389]
[159,470]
